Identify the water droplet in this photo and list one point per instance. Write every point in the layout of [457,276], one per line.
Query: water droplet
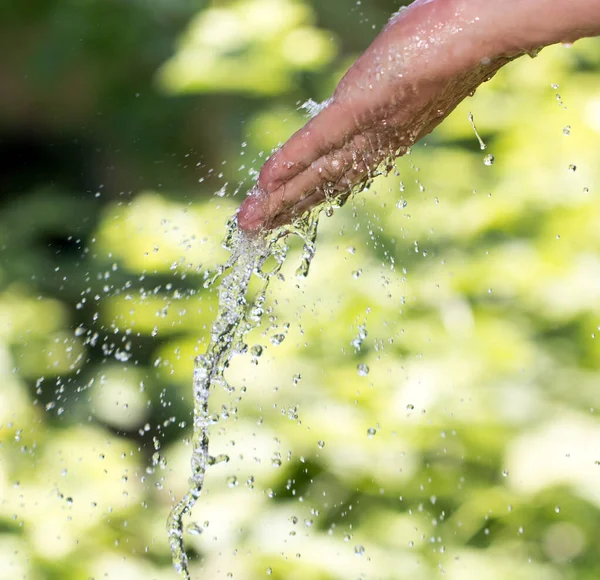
[256,350]
[222,458]
[567,130]
[489,159]
[572,168]
[358,340]
[371,431]
[482,145]
[363,369]
[557,509]
[505,473]
[321,444]
[195,529]
[359,550]
[232,481]
[277,339]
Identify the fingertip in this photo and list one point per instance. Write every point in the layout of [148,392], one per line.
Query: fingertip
[251,215]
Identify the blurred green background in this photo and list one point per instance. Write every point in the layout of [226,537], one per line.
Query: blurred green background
[129,133]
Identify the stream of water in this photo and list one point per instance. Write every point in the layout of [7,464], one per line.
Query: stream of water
[237,314]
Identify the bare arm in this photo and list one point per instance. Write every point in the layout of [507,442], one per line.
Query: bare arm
[423,64]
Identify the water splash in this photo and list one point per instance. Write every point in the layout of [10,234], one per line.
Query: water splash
[236,316]
[312,108]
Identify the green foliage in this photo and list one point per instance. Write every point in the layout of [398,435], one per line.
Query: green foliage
[230,48]
[472,445]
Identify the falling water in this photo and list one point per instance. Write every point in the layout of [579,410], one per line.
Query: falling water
[482,145]
[236,316]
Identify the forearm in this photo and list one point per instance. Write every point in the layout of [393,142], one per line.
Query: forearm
[435,47]
[488,29]
[528,25]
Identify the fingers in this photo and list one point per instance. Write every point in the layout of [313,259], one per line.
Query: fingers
[251,216]
[321,135]
[327,177]
[292,172]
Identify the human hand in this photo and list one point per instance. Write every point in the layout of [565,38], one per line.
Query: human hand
[428,58]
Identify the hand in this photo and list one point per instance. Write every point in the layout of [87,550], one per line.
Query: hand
[428,58]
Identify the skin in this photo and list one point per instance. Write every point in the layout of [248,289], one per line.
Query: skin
[427,59]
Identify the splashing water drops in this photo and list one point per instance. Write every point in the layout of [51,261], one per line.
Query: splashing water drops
[357,344]
[312,108]
[235,318]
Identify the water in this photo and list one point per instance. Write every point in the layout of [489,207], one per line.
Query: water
[312,108]
[482,145]
[236,316]
[489,159]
